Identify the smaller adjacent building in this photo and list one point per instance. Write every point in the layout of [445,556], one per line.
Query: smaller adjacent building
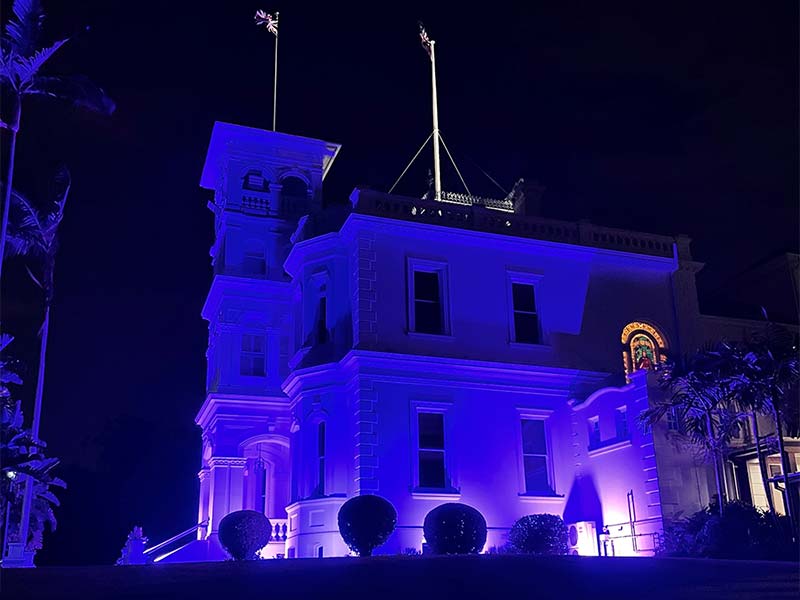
[433,351]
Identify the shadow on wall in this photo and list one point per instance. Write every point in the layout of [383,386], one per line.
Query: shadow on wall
[583,502]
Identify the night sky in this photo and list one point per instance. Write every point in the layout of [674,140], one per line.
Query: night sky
[668,118]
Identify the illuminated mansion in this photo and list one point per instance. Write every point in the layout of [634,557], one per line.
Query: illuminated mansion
[431,351]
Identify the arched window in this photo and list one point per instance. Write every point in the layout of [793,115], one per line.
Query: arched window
[294,188]
[254,181]
[643,347]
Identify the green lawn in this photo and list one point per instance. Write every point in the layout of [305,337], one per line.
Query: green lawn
[416,577]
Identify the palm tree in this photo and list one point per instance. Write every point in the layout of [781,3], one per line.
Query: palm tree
[703,396]
[22,459]
[35,234]
[768,372]
[21,60]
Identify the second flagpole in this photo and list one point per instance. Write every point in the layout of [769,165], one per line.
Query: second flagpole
[275,83]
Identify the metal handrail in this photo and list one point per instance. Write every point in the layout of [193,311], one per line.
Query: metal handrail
[175,538]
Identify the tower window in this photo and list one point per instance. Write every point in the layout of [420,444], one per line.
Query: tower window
[322,319]
[255,181]
[252,360]
[320,489]
[254,261]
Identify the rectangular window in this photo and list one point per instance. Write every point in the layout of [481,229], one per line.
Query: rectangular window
[252,360]
[526,321]
[254,263]
[320,552]
[621,421]
[320,491]
[322,320]
[534,456]
[594,432]
[428,315]
[432,473]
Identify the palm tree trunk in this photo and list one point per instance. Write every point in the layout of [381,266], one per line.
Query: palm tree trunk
[37,416]
[787,496]
[715,457]
[762,466]
[13,127]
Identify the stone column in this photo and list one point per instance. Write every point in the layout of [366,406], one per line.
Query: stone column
[227,488]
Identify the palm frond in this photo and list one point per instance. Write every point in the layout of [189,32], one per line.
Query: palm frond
[25,27]
[25,69]
[25,232]
[75,89]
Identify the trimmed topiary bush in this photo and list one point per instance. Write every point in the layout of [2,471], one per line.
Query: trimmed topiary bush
[455,528]
[539,535]
[366,522]
[243,533]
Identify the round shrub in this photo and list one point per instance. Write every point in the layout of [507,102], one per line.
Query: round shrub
[366,522]
[243,533]
[540,535]
[455,528]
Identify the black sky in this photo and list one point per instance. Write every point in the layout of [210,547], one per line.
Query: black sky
[669,118]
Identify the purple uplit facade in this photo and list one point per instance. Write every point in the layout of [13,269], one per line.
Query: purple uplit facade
[431,352]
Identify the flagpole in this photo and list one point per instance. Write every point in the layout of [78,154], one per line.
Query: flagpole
[437,176]
[275,83]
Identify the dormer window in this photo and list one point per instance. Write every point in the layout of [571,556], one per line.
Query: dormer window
[254,181]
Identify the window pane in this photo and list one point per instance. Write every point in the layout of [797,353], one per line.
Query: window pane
[536,475]
[258,366]
[533,441]
[431,469]
[594,433]
[523,297]
[321,439]
[526,328]
[428,317]
[254,265]
[431,431]
[426,286]
[622,424]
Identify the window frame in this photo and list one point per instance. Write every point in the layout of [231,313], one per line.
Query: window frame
[254,354]
[450,479]
[529,414]
[442,271]
[591,422]
[534,280]
[624,411]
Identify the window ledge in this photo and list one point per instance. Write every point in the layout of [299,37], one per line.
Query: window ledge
[529,346]
[526,497]
[609,446]
[446,337]
[436,494]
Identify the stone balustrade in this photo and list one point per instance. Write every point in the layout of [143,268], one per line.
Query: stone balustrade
[482,217]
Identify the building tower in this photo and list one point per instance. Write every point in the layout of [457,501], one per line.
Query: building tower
[264,182]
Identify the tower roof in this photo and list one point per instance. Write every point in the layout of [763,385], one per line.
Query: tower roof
[228,139]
